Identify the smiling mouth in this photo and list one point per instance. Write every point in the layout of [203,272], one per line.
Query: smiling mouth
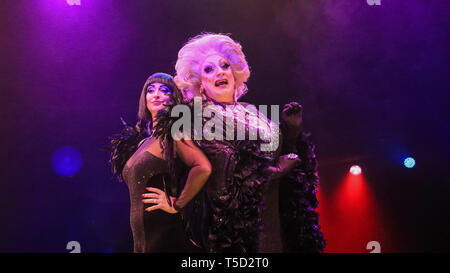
[221,82]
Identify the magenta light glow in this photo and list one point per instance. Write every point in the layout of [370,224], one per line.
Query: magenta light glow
[74,2]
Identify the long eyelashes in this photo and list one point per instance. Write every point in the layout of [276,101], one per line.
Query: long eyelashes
[165,91]
[208,69]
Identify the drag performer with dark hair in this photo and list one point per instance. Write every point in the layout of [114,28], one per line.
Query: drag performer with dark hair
[227,217]
[162,174]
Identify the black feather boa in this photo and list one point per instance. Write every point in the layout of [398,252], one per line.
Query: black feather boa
[123,146]
[237,210]
[299,221]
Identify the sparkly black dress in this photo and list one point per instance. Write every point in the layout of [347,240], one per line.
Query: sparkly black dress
[155,231]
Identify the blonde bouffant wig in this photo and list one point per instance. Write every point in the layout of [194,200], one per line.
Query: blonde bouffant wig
[196,50]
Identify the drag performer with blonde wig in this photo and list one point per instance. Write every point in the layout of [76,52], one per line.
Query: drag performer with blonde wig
[227,217]
[190,71]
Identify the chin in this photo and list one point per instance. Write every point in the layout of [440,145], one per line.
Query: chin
[224,94]
[155,109]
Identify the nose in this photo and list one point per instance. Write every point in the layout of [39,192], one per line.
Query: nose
[156,94]
[220,71]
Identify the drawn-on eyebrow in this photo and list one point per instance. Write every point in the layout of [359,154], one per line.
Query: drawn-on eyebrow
[208,64]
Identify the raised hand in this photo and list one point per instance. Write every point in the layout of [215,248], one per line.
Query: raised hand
[292,117]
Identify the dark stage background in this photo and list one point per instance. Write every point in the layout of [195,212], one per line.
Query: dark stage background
[372,79]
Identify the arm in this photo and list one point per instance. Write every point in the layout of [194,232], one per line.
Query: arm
[200,170]
[283,163]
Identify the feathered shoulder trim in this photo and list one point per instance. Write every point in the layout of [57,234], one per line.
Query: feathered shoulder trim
[165,119]
[123,146]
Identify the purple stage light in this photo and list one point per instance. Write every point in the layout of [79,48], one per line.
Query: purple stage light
[74,2]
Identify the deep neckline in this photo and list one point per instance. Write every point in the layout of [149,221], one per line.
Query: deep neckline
[157,157]
[151,155]
[147,151]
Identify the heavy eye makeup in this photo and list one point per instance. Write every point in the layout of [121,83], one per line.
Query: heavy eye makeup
[165,90]
[162,89]
[208,69]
